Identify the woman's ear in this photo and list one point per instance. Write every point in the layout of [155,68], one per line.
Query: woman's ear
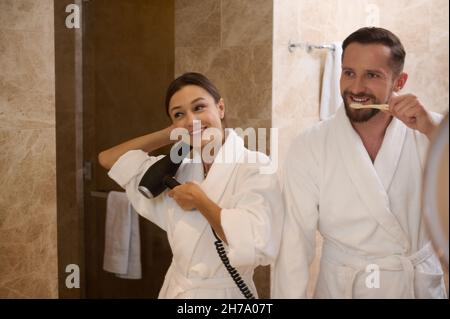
[221,108]
[400,82]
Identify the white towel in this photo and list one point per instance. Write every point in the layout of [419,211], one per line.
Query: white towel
[331,98]
[122,240]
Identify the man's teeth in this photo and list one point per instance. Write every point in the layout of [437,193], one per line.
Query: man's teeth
[360,100]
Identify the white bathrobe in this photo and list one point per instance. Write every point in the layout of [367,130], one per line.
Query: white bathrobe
[251,217]
[368,213]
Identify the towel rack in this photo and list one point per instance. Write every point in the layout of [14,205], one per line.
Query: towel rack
[100,194]
[309,47]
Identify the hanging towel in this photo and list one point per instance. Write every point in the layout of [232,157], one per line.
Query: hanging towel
[331,98]
[122,240]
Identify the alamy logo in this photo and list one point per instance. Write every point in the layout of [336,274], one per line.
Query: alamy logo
[373,278]
[213,136]
[373,15]
[73,279]
[73,19]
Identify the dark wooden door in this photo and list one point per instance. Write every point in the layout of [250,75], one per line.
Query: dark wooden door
[128,62]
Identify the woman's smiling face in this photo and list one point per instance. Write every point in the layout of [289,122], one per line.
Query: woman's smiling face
[193,103]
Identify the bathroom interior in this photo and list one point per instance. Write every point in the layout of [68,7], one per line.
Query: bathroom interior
[70,88]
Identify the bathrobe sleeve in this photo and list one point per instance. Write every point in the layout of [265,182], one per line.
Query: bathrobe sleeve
[422,140]
[127,172]
[252,223]
[290,273]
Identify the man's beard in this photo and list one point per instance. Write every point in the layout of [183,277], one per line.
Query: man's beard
[359,115]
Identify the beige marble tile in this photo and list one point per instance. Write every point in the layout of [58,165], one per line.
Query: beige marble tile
[197,59]
[197,23]
[286,22]
[26,15]
[317,22]
[28,214]
[431,86]
[242,75]
[246,23]
[439,26]
[31,285]
[27,79]
[410,21]
[27,166]
[296,85]
[247,85]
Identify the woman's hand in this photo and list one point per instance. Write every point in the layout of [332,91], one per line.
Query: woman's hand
[188,196]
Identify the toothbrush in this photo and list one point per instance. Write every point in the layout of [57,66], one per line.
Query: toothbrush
[383,107]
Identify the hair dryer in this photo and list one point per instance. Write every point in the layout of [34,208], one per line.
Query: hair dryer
[160,175]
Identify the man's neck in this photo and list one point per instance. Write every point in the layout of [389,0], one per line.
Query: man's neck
[372,132]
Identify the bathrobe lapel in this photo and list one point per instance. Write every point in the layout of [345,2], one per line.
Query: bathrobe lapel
[192,224]
[388,157]
[372,183]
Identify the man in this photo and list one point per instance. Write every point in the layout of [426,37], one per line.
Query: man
[357,179]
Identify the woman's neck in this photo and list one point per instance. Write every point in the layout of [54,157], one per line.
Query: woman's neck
[208,163]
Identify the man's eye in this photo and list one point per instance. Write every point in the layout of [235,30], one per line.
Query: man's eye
[372,75]
[348,73]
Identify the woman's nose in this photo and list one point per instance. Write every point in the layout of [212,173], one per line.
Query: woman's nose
[190,118]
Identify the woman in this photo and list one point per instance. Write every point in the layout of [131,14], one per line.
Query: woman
[241,205]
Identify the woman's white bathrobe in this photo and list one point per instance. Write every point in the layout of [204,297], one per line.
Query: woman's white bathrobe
[368,213]
[251,218]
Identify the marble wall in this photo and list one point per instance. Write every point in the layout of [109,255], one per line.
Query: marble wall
[230,41]
[422,25]
[28,250]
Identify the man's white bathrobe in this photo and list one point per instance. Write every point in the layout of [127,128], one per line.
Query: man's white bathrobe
[368,213]
[252,213]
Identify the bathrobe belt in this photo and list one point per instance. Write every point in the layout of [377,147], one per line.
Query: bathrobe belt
[392,262]
[183,284]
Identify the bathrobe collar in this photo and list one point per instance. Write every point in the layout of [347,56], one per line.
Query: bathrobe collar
[192,224]
[372,181]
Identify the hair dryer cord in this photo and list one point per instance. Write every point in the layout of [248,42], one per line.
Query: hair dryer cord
[231,270]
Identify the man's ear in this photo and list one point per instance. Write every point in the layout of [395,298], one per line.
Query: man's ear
[400,81]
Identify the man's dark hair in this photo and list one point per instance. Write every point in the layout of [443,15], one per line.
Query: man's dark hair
[373,35]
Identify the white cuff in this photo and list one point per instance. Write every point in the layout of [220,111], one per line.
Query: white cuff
[127,166]
[237,227]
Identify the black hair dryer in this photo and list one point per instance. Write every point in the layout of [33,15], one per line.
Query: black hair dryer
[159,176]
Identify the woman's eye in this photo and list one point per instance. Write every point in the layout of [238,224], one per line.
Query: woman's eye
[177,115]
[199,107]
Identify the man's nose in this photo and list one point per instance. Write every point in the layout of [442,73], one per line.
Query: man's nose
[358,85]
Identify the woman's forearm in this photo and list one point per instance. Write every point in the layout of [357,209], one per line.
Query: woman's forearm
[212,213]
[147,143]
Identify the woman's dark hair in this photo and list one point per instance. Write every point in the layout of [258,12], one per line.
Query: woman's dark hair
[191,78]
[373,35]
